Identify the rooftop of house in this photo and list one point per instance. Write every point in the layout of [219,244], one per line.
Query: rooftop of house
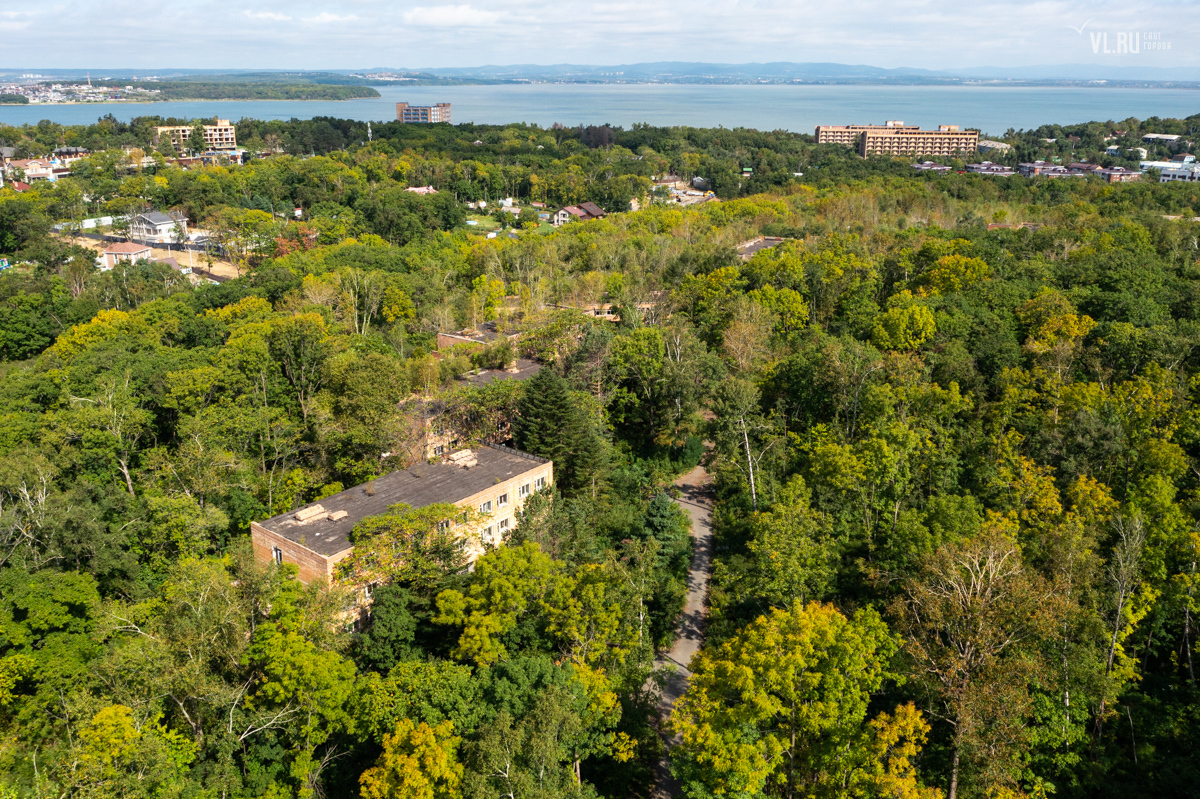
[126,247]
[748,248]
[522,370]
[157,218]
[592,209]
[324,527]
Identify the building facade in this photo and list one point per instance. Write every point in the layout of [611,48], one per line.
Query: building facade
[158,227]
[124,251]
[426,114]
[851,134]
[895,138]
[221,136]
[1188,174]
[492,480]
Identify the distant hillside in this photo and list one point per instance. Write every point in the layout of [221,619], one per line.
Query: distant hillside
[261,90]
[793,72]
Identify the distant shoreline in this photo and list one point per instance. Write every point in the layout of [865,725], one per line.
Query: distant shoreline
[200,100]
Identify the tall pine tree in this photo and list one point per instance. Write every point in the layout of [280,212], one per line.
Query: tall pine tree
[547,421]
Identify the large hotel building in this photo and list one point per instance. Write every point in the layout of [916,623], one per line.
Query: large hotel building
[221,136]
[423,113]
[896,138]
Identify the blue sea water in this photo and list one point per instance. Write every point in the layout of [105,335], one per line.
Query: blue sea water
[765,107]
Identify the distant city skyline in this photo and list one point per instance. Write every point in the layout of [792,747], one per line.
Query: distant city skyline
[348,34]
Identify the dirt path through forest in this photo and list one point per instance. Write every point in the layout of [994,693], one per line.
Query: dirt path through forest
[696,499]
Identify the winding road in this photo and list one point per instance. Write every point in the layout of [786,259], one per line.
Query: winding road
[696,499]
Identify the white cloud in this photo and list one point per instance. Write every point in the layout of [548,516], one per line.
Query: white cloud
[449,16]
[325,17]
[272,15]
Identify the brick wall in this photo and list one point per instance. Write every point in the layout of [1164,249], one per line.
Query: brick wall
[312,566]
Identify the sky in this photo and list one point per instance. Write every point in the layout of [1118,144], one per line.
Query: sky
[359,34]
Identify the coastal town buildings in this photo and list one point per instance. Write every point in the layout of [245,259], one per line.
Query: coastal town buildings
[221,136]
[1080,169]
[493,481]
[423,114]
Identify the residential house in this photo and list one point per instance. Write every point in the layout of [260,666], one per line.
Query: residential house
[988,168]
[422,189]
[125,251]
[158,227]
[32,168]
[492,480]
[582,212]
[930,166]
[1044,169]
[68,154]
[1119,174]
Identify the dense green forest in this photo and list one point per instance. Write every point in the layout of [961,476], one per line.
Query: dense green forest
[956,467]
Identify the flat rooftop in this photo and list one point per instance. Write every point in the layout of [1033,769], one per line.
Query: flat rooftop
[525,369]
[747,249]
[419,486]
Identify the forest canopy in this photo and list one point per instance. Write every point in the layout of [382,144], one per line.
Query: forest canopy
[948,422]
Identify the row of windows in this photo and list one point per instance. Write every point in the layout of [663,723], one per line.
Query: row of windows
[523,491]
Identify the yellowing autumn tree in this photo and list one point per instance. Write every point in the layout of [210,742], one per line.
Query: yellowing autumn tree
[781,709]
[418,762]
[905,325]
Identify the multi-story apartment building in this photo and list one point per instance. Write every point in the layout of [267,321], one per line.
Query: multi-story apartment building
[423,113]
[221,136]
[495,481]
[895,138]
